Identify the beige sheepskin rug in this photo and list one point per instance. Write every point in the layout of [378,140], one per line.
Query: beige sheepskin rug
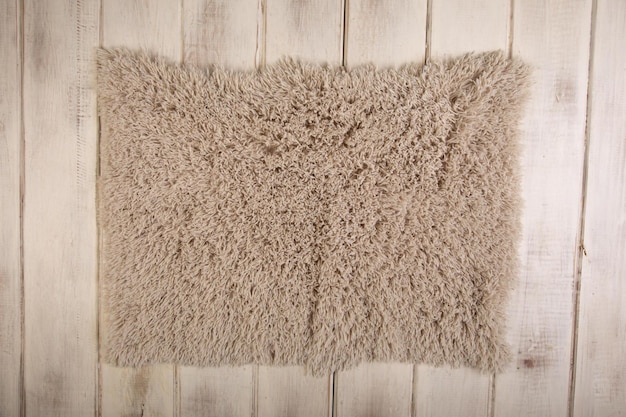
[308,215]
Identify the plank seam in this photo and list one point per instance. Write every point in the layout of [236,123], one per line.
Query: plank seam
[334,394]
[491,400]
[414,391]
[176,405]
[429,29]
[511,31]
[261,35]
[329,401]
[22,185]
[182,31]
[259,63]
[344,33]
[99,379]
[580,241]
[255,391]
[491,412]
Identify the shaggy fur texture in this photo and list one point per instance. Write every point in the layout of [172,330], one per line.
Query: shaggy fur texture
[306,214]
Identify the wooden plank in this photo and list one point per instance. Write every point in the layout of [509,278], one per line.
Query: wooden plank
[374,389]
[311,31]
[288,391]
[384,35]
[553,37]
[380,389]
[221,32]
[224,391]
[458,27]
[600,365]
[137,391]
[156,27]
[225,33]
[450,392]
[60,258]
[10,239]
[306,29]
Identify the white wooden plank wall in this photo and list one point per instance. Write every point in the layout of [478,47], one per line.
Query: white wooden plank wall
[567,320]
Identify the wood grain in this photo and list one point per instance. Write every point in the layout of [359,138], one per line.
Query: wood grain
[459,27]
[137,391]
[221,32]
[225,33]
[60,260]
[151,25]
[156,27]
[288,391]
[10,208]
[553,37]
[451,392]
[600,365]
[385,36]
[224,391]
[306,29]
[374,389]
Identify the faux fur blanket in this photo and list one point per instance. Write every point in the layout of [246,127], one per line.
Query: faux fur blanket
[306,214]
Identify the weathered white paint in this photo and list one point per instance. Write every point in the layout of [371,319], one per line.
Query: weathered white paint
[553,36]
[600,388]
[59,237]
[59,231]
[10,219]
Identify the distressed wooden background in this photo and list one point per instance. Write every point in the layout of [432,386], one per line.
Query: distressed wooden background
[567,316]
